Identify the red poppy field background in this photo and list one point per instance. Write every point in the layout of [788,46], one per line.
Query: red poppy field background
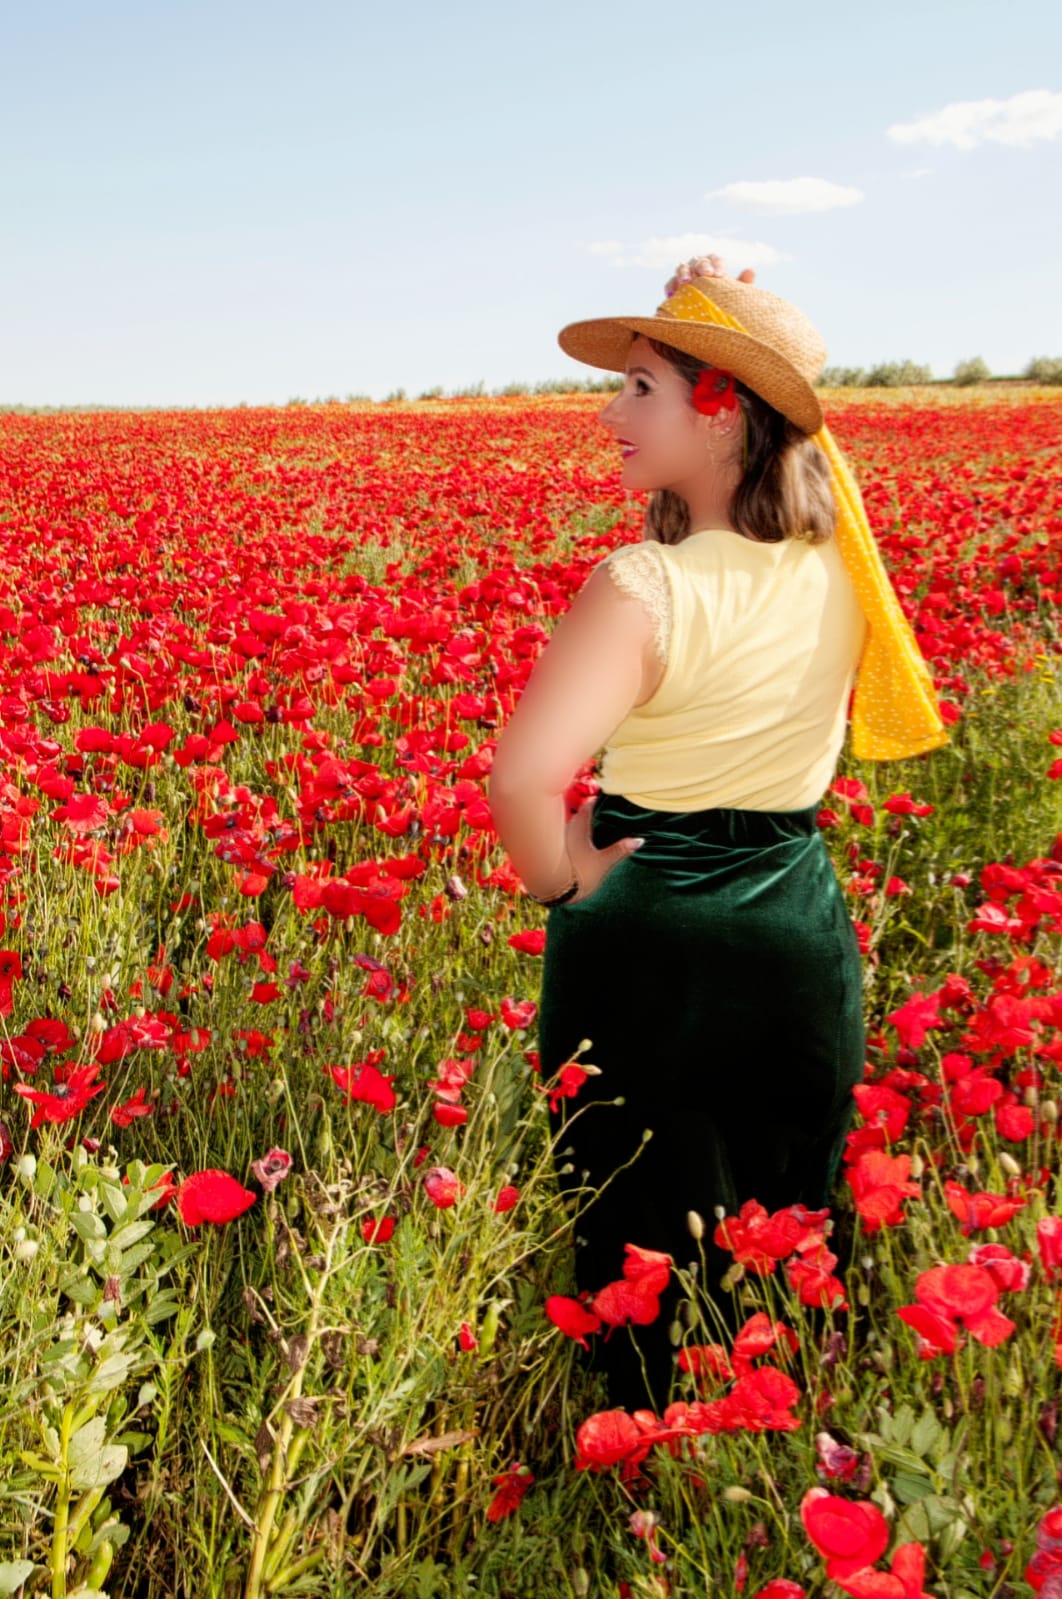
[286,1302]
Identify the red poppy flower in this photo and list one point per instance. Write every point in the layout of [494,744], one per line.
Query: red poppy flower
[449,1115]
[442,1187]
[565,1085]
[714,388]
[904,805]
[1013,1121]
[122,1115]
[914,1018]
[1049,1241]
[511,1486]
[649,1267]
[83,813]
[706,1361]
[507,1198]
[879,1184]
[757,1336]
[573,1318]
[781,1588]
[67,1099]
[10,972]
[517,1013]
[1008,1272]
[213,1196]
[366,1083]
[272,1168]
[625,1301]
[977,1211]
[950,1297]
[453,1075]
[883,1107]
[848,1533]
[762,1401]
[606,1439]
[903,1580]
[377,1231]
[937,1334]
[759,1241]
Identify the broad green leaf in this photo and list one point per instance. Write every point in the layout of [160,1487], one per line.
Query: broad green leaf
[88,1225]
[910,1489]
[926,1433]
[86,1443]
[115,1200]
[905,1459]
[13,1574]
[160,1308]
[913,1525]
[101,1468]
[110,1373]
[132,1233]
[135,1256]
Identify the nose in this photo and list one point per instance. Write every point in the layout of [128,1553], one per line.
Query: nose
[605,414]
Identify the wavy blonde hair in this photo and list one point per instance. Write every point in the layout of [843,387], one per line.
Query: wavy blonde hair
[785,491]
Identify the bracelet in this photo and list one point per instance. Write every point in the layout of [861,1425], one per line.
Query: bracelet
[557,899]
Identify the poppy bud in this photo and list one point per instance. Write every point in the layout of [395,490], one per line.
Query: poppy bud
[695,1223]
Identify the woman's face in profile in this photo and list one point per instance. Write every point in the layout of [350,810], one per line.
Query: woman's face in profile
[662,436]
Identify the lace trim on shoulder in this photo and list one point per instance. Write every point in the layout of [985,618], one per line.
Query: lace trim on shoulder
[638,570]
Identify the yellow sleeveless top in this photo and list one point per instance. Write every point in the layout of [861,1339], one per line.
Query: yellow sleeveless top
[761,643]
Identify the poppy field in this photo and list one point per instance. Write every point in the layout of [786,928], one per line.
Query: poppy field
[286,1303]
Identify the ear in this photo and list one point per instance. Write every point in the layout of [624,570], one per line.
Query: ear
[720,430]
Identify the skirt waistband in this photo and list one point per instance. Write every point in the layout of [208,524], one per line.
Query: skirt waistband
[615,816]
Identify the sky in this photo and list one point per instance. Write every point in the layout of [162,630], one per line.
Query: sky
[228,203]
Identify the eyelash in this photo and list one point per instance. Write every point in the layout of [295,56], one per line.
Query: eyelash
[641,387]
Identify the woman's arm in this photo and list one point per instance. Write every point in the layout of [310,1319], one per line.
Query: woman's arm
[599,663]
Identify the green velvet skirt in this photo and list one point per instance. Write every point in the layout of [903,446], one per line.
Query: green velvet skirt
[717,974]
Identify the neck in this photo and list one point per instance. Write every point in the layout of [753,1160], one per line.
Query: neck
[710,499]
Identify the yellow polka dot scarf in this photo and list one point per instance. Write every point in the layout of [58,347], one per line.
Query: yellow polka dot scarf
[894,706]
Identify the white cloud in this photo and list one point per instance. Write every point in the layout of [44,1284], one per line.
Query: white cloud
[788,196]
[919,172]
[667,252]
[1021,120]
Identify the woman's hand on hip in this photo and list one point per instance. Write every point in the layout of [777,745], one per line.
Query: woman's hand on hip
[591,865]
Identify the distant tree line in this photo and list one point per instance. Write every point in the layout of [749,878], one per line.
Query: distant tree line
[898,374]
[886,375]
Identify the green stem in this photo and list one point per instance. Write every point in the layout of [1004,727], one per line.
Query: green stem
[62,1508]
[269,1505]
[283,1579]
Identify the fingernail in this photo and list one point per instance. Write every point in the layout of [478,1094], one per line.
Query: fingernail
[636,843]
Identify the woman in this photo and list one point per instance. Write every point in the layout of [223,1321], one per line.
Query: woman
[697,934]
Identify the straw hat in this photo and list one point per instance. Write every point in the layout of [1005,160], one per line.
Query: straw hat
[777,352]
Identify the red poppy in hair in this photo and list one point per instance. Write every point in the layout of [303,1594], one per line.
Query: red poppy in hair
[714,388]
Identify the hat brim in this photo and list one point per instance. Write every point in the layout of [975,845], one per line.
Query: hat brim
[605,342]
